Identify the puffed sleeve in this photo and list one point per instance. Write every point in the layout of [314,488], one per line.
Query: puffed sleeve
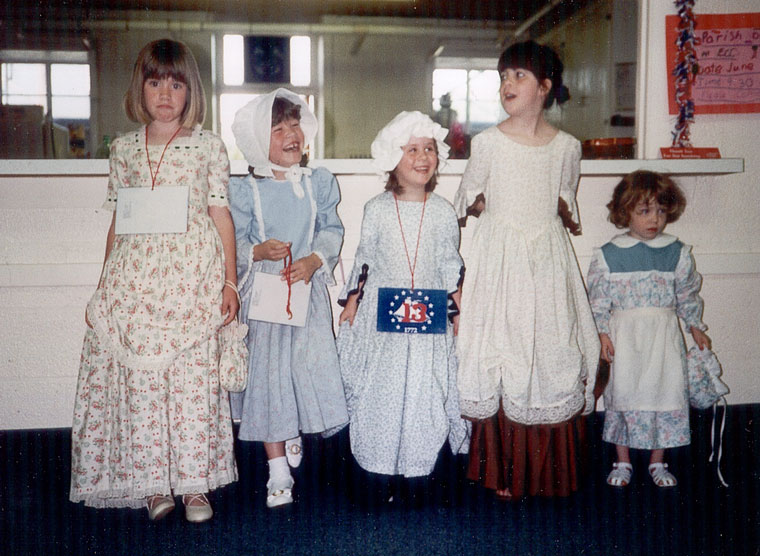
[328,229]
[247,225]
[689,303]
[571,169]
[599,291]
[218,172]
[363,259]
[474,178]
[117,170]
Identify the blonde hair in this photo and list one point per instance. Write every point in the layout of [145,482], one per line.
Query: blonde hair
[160,59]
[643,185]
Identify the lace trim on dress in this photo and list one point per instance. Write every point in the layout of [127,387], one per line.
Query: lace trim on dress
[544,415]
[484,409]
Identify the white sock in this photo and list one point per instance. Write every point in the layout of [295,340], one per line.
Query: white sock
[278,468]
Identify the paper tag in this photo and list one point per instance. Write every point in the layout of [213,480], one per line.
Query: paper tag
[163,210]
[269,299]
[689,152]
[408,311]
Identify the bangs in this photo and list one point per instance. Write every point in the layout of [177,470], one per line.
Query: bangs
[519,56]
[283,109]
[166,59]
[540,60]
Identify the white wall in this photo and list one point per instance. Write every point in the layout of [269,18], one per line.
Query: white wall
[52,236]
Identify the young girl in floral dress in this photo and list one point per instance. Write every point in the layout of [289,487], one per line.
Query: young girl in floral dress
[150,419]
[640,283]
[401,384]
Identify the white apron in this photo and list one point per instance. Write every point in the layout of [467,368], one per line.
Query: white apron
[647,373]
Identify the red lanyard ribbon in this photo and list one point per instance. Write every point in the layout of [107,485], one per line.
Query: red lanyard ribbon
[287,261]
[412,267]
[160,160]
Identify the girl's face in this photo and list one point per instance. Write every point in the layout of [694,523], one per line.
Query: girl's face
[165,99]
[418,163]
[648,218]
[520,91]
[286,143]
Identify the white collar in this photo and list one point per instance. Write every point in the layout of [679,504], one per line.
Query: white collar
[626,240]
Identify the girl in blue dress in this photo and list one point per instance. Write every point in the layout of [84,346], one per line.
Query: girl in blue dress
[401,387]
[283,210]
[640,283]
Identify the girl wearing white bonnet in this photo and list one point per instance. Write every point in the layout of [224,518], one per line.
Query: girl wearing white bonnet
[401,384]
[286,224]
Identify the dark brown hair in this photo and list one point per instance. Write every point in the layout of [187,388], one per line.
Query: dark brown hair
[542,62]
[283,109]
[158,60]
[643,185]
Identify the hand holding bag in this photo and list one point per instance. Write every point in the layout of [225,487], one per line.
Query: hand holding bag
[705,385]
[233,354]
[705,390]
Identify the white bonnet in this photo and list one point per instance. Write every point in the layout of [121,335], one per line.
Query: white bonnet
[386,148]
[252,128]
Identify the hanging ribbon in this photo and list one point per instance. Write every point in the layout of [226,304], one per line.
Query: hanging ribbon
[293,175]
[685,71]
[160,160]
[287,261]
[412,267]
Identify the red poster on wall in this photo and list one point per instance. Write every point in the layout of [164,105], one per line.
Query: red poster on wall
[727,47]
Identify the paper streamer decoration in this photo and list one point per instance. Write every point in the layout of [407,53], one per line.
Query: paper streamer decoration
[685,71]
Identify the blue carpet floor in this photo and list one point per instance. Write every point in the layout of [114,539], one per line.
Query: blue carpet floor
[341,510]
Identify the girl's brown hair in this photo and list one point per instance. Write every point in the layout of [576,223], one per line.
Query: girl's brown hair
[394,186]
[542,62]
[158,60]
[643,185]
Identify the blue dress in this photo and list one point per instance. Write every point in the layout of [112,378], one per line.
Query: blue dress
[294,383]
[401,388]
[638,290]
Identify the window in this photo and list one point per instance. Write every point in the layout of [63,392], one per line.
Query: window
[472,88]
[58,83]
[48,80]
[253,65]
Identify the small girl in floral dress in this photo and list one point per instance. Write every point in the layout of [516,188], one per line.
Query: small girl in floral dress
[150,419]
[640,283]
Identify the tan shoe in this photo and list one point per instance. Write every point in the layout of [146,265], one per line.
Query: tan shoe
[159,506]
[197,508]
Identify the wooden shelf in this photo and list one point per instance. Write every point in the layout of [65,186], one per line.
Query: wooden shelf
[364,166]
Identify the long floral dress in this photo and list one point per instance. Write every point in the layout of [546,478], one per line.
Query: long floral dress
[638,290]
[150,416]
[401,388]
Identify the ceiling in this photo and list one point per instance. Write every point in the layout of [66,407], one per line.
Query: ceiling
[542,14]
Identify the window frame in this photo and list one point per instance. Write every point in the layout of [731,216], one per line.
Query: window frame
[315,89]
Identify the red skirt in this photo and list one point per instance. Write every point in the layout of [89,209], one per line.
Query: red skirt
[533,460]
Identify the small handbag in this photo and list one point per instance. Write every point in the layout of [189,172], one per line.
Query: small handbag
[706,389]
[233,354]
[705,385]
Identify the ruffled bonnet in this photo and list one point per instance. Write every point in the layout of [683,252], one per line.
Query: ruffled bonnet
[386,148]
[252,128]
